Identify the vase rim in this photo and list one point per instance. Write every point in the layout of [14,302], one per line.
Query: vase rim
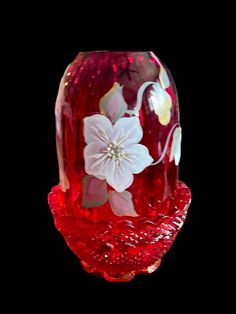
[117,51]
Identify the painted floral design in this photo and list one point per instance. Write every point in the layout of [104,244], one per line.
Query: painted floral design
[175,152]
[163,77]
[161,103]
[122,204]
[113,151]
[113,104]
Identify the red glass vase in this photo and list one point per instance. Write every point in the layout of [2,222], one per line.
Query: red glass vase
[119,204]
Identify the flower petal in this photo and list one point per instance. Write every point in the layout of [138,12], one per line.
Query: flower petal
[127,131]
[97,128]
[118,176]
[165,118]
[177,157]
[161,103]
[94,192]
[112,104]
[175,152]
[138,158]
[95,159]
[122,204]
[178,146]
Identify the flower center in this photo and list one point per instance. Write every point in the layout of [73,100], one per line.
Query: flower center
[115,151]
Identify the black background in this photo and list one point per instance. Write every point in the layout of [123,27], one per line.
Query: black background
[191,267]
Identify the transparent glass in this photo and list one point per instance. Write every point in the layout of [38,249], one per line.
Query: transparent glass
[119,204]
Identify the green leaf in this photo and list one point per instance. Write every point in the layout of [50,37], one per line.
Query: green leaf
[122,204]
[113,104]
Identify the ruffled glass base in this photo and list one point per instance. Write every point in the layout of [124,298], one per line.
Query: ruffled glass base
[122,247]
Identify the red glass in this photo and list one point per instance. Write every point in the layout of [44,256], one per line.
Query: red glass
[117,247]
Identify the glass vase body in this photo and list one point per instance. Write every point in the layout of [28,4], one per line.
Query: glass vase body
[119,233]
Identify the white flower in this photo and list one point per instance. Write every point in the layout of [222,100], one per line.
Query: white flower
[161,103]
[112,151]
[175,152]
